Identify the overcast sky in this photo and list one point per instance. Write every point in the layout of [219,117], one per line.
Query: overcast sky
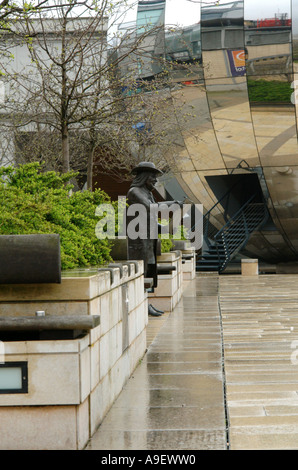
[258,9]
[185,12]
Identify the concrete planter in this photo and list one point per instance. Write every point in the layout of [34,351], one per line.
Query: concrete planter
[188,257]
[189,263]
[72,383]
[169,290]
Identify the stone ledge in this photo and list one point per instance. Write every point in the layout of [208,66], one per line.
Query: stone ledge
[76,285]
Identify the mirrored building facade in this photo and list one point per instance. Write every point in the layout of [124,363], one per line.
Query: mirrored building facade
[241,83]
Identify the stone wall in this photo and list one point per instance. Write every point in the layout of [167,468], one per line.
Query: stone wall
[72,383]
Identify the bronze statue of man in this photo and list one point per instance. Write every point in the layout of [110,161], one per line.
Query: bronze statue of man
[145,248]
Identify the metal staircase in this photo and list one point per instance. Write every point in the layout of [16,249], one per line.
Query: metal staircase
[222,245]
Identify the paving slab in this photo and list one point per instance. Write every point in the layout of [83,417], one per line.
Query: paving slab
[259,324]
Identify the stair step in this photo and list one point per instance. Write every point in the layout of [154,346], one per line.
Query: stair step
[209,262]
[206,268]
[208,256]
[219,250]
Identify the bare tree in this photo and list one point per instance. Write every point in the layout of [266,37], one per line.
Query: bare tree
[66,98]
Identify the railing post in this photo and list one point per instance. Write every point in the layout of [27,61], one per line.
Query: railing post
[245,224]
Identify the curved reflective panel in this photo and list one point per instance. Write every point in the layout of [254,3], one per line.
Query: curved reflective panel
[268,246]
[269,78]
[230,112]
[183,37]
[199,148]
[224,69]
[222,39]
[282,183]
[269,65]
[268,37]
[197,128]
[151,16]
[274,120]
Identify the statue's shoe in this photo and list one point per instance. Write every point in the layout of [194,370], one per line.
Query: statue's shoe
[153,312]
[159,311]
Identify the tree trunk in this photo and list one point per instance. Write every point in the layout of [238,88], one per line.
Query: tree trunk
[65,150]
[90,169]
[90,161]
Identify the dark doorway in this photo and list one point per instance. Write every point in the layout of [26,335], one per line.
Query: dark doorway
[233,191]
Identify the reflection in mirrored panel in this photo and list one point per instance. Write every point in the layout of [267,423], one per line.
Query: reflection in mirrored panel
[267,13]
[189,180]
[282,183]
[273,89]
[222,25]
[150,15]
[197,185]
[150,20]
[222,39]
[269,59]
[268,32]
[199,149]
[183,40]
[230,112]
[274,119]
[270,246]
[224,63]
[197,128]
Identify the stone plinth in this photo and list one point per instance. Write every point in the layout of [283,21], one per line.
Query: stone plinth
[189,263]
[72,383]
[249,267]
[169,289]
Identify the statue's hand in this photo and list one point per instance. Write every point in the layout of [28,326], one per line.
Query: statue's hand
[185,201]
[180,203]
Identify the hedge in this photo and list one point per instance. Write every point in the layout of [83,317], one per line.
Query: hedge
[37,201]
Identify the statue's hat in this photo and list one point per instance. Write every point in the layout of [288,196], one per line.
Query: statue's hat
[146,166]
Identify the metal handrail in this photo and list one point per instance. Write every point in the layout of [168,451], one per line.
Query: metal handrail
[236,231]
[207,233]
[234,217]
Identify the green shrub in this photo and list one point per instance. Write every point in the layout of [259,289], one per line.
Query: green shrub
[166,245]
[33,201]
[166,239]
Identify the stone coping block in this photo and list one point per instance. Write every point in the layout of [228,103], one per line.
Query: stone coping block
[76,285]
[57,322]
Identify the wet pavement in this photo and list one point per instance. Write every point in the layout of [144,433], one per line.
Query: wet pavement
[221,372]
[175,398]
[260,331]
